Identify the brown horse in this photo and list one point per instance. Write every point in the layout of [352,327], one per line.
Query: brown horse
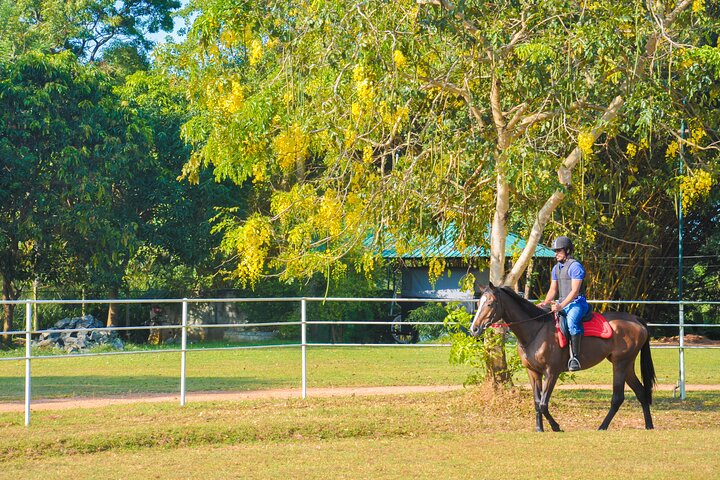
[541,354]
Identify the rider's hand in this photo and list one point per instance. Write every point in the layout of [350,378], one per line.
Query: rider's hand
[555,307]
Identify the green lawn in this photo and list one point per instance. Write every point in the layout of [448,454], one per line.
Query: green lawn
[471,433]
[280,368]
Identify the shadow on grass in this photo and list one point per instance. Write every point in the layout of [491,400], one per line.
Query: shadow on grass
[47,387]
[695,401]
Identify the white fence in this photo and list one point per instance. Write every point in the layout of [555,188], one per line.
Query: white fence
[303,323]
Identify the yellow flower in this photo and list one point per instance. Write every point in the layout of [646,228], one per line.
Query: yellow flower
[399,59]
[586,142]
[367,154]
[356,110]
[256,51]
[631,150]
[291,146]
[672,149]
[350,137]
[695,187]
[236,97]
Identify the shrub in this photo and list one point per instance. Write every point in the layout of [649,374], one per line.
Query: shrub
[431,312]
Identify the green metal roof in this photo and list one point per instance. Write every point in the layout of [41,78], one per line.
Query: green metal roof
[445,248]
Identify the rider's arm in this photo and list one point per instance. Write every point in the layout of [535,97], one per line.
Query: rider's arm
[551,293]
[575,290]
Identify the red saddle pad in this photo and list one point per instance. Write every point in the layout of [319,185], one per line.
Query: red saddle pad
[597,326]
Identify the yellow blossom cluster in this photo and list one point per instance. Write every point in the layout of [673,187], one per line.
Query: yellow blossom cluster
[367,155]
[399,59]
[251,242]
[436,267]
[363,84]
[365,90]
[586,142]
[698,6]
[366,264]
[255,52]
[632,149]
[696,135]
[259,171]
[350,137]
[695,187]
[291,147]
[235,98]
[672,149]
[329,216]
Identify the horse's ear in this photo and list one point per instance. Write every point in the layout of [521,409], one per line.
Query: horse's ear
[479,289]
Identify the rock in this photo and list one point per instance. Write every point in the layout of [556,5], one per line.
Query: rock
[90,333]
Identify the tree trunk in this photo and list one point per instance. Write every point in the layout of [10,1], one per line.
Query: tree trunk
[8,293]
[35,286]
[113,310]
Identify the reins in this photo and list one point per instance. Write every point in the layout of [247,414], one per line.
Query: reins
[506,324]
[519,321]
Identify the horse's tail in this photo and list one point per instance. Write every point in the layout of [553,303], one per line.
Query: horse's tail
[647,368]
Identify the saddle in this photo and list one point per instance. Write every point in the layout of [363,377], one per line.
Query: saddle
[594,325]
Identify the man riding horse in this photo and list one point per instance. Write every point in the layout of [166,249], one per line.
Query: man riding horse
[567,281]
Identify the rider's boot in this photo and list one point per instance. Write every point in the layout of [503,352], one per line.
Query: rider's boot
[574,363]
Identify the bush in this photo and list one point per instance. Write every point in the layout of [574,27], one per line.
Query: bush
[475,352]
[431,312]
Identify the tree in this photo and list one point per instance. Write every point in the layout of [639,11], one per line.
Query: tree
[178,251]
[85,27]
[62,151]
[399,118]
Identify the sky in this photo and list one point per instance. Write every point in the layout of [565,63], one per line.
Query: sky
[161,37]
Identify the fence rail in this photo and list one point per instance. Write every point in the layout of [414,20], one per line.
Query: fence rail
[303,323]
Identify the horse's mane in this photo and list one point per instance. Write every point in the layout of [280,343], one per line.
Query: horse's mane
[528,307]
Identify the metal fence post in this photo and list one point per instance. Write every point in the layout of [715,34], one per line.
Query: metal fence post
[303,344]
[183,351]
[28,355]
[681,350]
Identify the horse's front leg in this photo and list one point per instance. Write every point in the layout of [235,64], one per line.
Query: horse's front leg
[536,385]
[547,388]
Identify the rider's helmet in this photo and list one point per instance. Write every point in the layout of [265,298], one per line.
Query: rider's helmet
[563,243]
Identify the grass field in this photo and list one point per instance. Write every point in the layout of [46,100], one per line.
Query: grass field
[471,433]
[242,370]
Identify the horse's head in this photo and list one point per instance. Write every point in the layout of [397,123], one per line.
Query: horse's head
[488,311]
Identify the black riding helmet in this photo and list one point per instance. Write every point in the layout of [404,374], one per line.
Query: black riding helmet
[563,243]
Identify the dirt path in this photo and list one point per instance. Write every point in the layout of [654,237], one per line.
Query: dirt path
[214,396]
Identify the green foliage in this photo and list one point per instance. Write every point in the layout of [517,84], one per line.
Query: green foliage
[416,124]
[473,351]
[83,27]
[431,312]
[65,150]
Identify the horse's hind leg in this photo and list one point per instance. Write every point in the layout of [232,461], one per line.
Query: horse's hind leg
[637,387]
[618,396]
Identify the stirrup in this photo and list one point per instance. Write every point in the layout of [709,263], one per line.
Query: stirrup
[574,364]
